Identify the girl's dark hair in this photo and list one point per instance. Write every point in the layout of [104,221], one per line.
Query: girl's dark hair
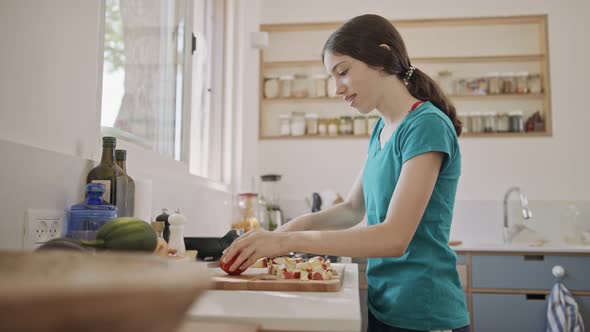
[360,38]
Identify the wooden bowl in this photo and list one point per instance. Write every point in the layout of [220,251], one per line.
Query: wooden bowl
[71,291]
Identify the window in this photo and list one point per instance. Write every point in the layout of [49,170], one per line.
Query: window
[144,90]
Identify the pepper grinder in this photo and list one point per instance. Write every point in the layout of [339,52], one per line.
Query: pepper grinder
[177,221]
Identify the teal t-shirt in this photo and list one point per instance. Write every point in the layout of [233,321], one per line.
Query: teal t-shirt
[421,289]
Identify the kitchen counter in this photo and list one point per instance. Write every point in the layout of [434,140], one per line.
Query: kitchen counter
[521,248]
[286,311]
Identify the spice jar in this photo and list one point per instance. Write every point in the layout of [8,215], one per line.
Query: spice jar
[493,83]
[323,127]
[476,122]
[300,86]
[297,123]
[465,119]
[489,122]
[522,82]
[311,123]
[319,86]
[333,127]
[534,83]
[286,82]
[445,81]
[508,83]
[284,125]
[345,125]
[331,87]
[359,125]
[516,121]
[503,123]
[271,87]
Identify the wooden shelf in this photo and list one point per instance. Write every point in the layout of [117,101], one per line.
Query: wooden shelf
[464,135]
[445,59]
[339,99]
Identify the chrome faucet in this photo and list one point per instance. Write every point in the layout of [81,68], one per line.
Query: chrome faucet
[509,233]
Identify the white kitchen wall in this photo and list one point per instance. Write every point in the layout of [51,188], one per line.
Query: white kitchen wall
[548,169]
[50,69]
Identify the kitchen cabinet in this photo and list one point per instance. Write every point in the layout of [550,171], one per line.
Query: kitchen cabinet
[508,291]
[461,53]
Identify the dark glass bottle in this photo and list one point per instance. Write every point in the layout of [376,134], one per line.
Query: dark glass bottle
[164,217]
[107,172]
[125,188]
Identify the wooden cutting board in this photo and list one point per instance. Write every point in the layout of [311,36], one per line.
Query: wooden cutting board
[257,279]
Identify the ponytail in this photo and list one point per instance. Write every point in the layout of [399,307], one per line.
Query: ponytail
[422,87]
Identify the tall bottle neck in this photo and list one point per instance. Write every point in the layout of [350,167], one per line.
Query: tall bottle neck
[108,155]
[123,164]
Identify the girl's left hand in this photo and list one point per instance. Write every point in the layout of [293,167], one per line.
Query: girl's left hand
[253,245]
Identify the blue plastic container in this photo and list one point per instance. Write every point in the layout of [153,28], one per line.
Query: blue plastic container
[87,217]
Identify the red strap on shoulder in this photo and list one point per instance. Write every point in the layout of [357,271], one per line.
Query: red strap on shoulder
[416,104]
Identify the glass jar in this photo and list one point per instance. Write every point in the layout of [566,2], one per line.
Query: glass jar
[323,126]
[297,123]
[247,207]
[300,86]
[466,121]
[461,87]
[534,83]
[286,85]
[311,123]
[489,122]
[345,125]
[522,82]
[494,86]
[331,87]
[333,127]
[503,123]
[516,121]
[319,87]
[508,83]
[476,122]
[371,122]
[284,125]
[272,87]
[445,81]
[359,125]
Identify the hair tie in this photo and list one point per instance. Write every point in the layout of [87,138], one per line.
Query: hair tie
[408,74]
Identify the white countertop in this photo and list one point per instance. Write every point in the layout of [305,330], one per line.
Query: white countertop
[522,248]
[287,311]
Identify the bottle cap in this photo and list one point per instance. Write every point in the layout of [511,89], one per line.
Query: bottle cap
[121,154]
[270,177]
[109,141]
[95,187]
[177,218]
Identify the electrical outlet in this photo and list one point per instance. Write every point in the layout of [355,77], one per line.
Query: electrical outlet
[42,226]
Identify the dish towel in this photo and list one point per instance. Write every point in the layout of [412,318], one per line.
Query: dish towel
[562,311]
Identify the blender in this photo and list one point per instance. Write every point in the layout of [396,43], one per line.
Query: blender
[271,213]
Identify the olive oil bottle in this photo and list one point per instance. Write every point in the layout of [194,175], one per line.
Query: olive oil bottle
[109,174]
[125,188]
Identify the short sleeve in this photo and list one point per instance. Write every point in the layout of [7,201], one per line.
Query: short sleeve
[426,133]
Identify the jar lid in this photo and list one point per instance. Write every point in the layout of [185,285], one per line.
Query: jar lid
[516,112]
[284,116]
[286,77]
[300,76]
[247,195]
[320,76]
[297,113]
[360,117]
[464,114]
[271,77]
[373,116]
[493,74]
[346,117]
[312,116]
[475,113]
[508,74]
[522,73]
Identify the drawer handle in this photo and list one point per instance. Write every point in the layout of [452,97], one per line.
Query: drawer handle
[534,257]
[536,297]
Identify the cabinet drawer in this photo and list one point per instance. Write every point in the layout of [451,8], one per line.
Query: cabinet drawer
[509,312]
[528,271]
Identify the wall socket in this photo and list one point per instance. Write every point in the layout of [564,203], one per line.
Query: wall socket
[41,226]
